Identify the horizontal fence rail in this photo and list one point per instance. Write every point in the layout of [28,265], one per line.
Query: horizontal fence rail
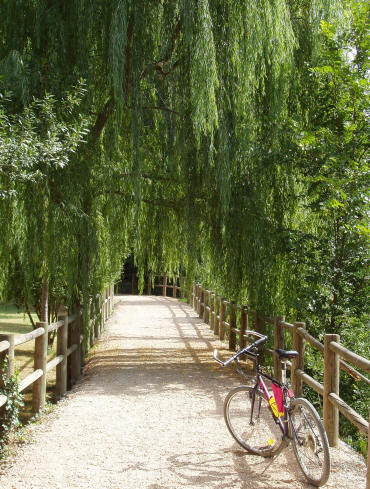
[69,350]
[177,285]
[220,314]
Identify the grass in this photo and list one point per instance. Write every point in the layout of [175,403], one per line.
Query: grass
[15,321]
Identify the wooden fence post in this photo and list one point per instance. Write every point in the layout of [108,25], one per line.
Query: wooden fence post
[368,456]
[232,334]
[10,338]
[3,355]
[91,322]
[80,329]
[278,343]
[164,290]
[212,313]
[216,328]
[96,322]
[61,370]
[105,304]
[202,310]
[209,310]
[259,326]
[222,318]
[198,299]
[243,325]
[40,361]
[101,309]
[206,304]
[298,344]
[109,300]
[331,385]
[182,287]
[76,355]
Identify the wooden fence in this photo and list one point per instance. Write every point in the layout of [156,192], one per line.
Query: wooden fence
[69,350]
[215,311]
[176,284]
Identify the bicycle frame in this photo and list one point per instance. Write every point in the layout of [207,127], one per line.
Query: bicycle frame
[283,423]
[260,384]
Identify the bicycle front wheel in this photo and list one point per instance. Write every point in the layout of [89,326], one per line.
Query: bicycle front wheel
[249,419]
[310,442]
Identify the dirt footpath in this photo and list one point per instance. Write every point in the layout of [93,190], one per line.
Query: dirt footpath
[148,414]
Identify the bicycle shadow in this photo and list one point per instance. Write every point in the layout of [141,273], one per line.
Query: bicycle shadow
[260,472]
[212,469]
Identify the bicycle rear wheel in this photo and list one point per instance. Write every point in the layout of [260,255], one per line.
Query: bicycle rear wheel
[310,442]
[256,430]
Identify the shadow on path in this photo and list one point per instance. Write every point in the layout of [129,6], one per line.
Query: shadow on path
[176,360]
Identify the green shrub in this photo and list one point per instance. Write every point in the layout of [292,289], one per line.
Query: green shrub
[9,414]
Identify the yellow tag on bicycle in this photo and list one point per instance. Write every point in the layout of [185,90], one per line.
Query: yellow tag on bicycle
[270,442]
[274,407]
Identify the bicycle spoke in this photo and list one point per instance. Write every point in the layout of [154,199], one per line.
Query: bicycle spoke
[251,423]
[309,442]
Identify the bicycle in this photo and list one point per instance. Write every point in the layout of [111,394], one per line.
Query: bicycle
[289,418]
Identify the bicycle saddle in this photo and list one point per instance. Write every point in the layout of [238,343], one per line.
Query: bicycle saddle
[286,353]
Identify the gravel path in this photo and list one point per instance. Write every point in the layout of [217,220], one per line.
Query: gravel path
[148,414]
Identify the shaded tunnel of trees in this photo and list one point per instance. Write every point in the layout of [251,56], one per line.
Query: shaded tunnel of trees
[222,140]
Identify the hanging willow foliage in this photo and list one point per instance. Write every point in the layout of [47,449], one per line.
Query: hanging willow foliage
[185,162]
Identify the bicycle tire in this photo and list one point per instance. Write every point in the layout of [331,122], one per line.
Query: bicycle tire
[310,443]
[263,437]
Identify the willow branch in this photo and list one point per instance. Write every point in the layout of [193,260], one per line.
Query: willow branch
[159,65]
[154,107]
[130,30]
[101,120]
[170,204]
[148,176]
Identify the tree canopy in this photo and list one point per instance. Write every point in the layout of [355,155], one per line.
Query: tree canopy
[200,136]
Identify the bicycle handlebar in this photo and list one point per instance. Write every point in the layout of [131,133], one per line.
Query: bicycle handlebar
[215,353]
[246,350]
[255,333]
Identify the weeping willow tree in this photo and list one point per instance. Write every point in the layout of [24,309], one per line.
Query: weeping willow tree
[224,140]
[186,158]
